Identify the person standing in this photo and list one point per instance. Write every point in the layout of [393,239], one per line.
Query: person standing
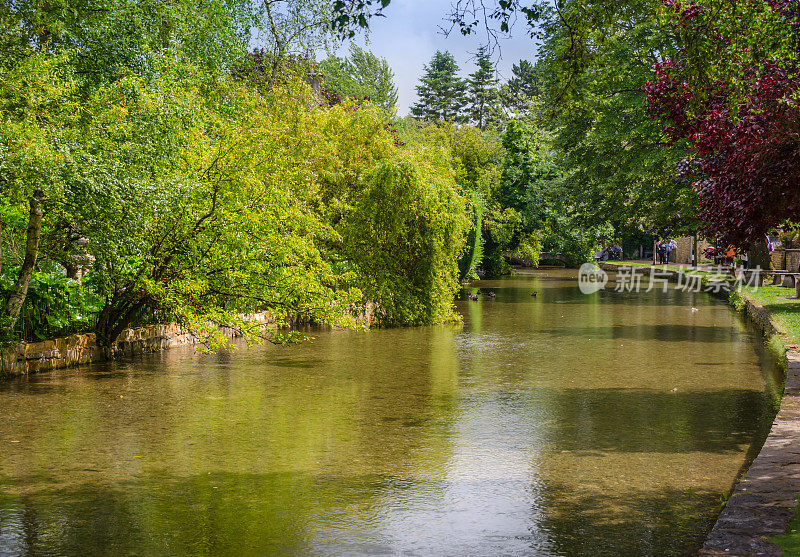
[730,253]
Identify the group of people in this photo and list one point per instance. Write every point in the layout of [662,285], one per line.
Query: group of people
[609,253]
[664,249]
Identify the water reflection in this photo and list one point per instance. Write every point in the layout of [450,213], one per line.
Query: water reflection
[609,424]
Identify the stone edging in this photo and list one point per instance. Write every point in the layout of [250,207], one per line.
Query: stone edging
[74,350]
[765,500]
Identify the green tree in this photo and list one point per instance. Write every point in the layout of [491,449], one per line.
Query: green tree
[38,108]
[620,165]
[57,54]
[295,28]
[594,59]
[442,94]
[482,94]
[523,86]
[361,75]
[532,184]
[477,156]
[106,38]
[194,206]
[400,214]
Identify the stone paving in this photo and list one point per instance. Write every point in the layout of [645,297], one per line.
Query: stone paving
[765,500]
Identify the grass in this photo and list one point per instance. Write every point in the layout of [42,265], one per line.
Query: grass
[783,307]
[790,541]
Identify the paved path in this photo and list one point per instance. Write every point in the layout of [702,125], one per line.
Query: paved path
[765,500]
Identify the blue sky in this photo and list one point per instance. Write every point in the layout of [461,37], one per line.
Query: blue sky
[409,36]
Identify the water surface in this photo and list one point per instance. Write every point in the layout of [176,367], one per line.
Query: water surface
[560,424]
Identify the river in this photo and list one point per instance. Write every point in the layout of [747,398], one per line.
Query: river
[556,424]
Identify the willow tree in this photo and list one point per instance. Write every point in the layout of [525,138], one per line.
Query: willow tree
[399,214]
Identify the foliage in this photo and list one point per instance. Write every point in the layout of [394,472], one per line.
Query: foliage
[399,213]
[476,156]
[362,75]
[620,165]
[482,94]
[442,94]
[473,255]
[523,86]
[62,54]
[296,27]
[200,198]
[106,38]
[350,15]
[56,305]
[497,17]
[732,91]
[536,213]
[205,199]
[265,70]
[37,104]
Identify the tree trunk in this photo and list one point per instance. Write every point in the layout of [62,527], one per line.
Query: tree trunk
[758,255]
[117,314]
[20,291]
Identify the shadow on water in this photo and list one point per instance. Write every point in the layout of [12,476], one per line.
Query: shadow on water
[633,420]
[226,514]
[214,514]
[645,522]
[663,333]
[569,293]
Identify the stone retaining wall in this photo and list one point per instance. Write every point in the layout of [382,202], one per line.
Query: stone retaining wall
[765,500]
[33,357]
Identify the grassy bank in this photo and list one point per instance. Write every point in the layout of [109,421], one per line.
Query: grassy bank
[782,305]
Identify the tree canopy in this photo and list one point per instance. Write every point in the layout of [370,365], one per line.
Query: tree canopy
[482,94]
[731,91]
[442,94]
[149,173]
[359,76]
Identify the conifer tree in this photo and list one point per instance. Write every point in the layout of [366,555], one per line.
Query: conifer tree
[482,94]
[522,87]
[441,92]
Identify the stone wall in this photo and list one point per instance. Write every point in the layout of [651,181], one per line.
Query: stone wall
[765,499]
[786,259]
[792,259]
[777,260]
[33,357]
[683,252]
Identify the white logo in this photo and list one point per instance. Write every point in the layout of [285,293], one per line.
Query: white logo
[591,278]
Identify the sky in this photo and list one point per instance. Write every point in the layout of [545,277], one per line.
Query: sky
[409,36]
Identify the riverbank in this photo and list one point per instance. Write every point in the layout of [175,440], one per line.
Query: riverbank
[47,355]
[765,500]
